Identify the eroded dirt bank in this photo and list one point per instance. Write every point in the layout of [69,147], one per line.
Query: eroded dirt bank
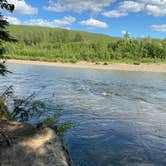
[25,145]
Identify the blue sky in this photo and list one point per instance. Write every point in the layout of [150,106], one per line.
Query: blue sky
[112,17]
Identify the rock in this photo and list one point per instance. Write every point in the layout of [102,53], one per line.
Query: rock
[32,147]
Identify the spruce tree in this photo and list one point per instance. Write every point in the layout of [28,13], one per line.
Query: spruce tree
[4,35]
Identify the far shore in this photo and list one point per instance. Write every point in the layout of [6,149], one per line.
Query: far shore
[152,67]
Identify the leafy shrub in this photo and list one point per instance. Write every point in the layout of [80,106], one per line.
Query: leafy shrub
[27,108]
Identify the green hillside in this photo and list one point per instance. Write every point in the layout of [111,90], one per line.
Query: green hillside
[53,34]
[54,44]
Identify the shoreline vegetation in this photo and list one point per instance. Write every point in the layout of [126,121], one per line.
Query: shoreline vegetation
[149,67]
[67,46]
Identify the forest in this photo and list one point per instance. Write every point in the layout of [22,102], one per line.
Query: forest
[61,45]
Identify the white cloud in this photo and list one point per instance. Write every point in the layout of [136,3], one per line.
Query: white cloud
[151,7]
[123,9]
[124,32]
[66,21]
[142,36]
[131,6]
[13,20]
[114,14]
[159,28]
[78,5]
[93,23]
[155,10]
[154,7]
[21,7]
[154,2]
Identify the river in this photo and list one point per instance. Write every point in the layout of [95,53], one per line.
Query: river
[119,117]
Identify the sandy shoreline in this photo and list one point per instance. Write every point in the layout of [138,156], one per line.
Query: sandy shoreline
[115,66]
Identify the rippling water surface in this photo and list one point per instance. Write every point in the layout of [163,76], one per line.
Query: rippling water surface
[119,116]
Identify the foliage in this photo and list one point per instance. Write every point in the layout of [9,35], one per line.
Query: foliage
[4,112]
[4,35]
[51,44]
[62,128]
[53,122]
[27,108]
[126,35]
[3,69]
[49,121]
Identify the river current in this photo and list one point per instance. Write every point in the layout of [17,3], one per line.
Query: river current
[118,117]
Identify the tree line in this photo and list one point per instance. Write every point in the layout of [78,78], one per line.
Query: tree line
[48,44]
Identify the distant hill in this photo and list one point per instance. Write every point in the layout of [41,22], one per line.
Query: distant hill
[55,44]
[22,30]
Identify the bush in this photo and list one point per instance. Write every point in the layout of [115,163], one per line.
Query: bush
[27,108]
[70,46]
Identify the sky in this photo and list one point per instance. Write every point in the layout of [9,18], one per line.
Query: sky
[141,18]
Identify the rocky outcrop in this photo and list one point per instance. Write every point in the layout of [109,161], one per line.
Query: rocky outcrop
[24,145]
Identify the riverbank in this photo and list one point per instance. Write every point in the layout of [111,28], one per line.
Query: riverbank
[152,67]
[24,144]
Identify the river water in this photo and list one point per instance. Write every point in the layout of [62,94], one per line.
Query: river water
[119,117]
